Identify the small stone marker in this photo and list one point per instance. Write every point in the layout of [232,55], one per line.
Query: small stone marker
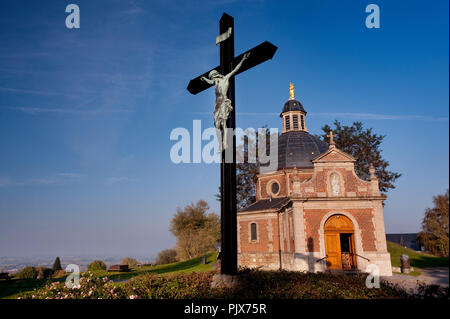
[404,264]
[204,260]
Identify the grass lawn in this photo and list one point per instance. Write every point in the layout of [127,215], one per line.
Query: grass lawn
[11,289]
[417,260]
[186,266]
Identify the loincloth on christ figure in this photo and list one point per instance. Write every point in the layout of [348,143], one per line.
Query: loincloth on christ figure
[222,112]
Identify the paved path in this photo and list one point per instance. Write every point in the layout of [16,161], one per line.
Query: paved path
[430,276]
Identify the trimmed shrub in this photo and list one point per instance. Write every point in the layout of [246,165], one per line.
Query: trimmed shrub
[131,262]
[97,265]
[27,273]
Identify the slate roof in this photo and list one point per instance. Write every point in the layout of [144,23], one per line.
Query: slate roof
[292,105]
[266,204]
[298,148]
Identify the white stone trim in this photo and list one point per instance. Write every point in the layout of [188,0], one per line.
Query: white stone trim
[360,262]
[269,187]
[342,192]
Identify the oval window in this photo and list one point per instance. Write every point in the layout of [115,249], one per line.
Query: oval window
[275,188]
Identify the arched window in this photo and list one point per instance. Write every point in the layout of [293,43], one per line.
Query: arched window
[253,231]
[302,121]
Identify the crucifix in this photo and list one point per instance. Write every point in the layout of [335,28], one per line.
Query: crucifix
[222,77]
[331,136]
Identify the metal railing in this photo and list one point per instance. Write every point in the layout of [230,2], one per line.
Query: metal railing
[321,259]
[361,256]
[350,254]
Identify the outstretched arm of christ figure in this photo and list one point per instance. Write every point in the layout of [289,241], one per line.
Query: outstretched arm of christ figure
[245,57]
[207,80]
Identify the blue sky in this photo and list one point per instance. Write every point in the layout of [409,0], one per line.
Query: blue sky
[86,114]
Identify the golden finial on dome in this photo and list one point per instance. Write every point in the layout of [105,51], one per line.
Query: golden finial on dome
[291,91]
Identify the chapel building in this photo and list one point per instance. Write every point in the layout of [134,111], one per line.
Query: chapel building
[313,213]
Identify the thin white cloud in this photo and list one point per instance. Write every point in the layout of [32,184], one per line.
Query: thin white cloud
[8,182]
[22,91]
[43,110]
[70,175]
[374,116]
[123,179]
[42,181]
[360,116]
[132,11]
[46,180]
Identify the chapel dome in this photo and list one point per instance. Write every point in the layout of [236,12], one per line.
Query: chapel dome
[293,105]
[298,148]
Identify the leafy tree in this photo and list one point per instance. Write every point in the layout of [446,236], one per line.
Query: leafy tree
[57,265]
[435,231]
[248,168]
[131,262]
[43,272]
[364,146]
[196,231]
[166,256]
[27,273]
[97,265]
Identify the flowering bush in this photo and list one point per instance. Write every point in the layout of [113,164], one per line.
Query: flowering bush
[432,292]
[254,284]
[174,286]
[90,288]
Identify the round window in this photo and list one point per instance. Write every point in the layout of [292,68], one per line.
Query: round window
[275,188]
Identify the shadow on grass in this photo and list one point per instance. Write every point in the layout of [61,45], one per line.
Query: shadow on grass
[11,288]
[429,261]
[190,265]
[419,260]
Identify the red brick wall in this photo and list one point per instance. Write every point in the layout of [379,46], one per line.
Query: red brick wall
[312,224]
[280,179]
[262,245]
[364,219]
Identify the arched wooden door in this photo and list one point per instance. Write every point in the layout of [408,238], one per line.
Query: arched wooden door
[339,242]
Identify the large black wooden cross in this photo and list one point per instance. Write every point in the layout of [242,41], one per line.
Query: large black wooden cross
[228,62]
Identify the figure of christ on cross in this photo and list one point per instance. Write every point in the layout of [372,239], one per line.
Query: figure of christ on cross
[223,106]
[222,77]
